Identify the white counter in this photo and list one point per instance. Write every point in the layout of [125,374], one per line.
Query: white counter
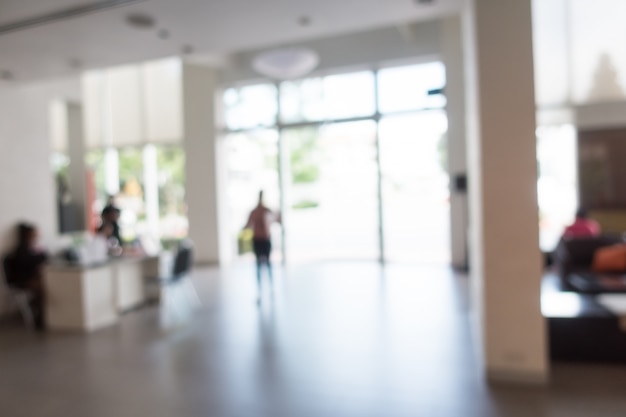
[87,298]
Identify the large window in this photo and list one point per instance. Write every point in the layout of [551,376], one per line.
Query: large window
[557,185]
[122,173]
[173,223]
[96,181]
[579,51]
[415,186]
[351,174]
[331,191]
[411,88]
[133,129]
[131,196]
[252,166]
[251,106]
[329,98]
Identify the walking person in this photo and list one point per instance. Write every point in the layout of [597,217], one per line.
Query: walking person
[260,221]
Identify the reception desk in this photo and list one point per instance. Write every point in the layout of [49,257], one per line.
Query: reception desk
[87,298]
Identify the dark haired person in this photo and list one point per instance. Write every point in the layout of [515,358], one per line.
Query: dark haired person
[24,269]
[582,227]
[260,221]
[111,214]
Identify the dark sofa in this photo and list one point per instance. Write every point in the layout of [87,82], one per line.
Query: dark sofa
[574,258]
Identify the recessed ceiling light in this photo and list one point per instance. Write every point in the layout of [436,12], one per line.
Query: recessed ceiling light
[163,33]
[140,21]
[304,21]
[6,75]
[187,49]
[75,63]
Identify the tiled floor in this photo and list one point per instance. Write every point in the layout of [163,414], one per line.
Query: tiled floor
[333,340]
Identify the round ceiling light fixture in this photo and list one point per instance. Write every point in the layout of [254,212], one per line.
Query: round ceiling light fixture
[286,63]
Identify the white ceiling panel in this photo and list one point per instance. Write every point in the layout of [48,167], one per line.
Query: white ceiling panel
[212,27]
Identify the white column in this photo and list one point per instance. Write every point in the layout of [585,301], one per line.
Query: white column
[200,144]
[151,189]
[77,169]
[505,258]
[452,51]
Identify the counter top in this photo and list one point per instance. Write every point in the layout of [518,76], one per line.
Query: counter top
[61,265]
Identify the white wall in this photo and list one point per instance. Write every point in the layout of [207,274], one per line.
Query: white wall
[26,184]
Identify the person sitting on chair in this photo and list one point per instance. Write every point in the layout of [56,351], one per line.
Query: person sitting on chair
[24,269]
[582,227]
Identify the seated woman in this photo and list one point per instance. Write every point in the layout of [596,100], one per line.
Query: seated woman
[24,269]
[582,227]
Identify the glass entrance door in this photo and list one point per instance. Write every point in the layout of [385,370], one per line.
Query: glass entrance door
[331,200]
[415,193]
[355,162]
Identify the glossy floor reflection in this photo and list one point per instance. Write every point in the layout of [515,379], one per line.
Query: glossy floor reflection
[332,340]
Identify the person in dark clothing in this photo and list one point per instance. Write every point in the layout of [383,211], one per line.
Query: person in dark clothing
[111,214]
[24,269]
[260,221]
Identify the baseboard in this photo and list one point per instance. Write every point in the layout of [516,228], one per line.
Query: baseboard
[517,377]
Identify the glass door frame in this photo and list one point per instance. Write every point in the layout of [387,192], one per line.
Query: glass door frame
[376,117]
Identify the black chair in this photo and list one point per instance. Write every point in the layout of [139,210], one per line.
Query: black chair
[19,297]
[181,268]
[182,262]
[176,293]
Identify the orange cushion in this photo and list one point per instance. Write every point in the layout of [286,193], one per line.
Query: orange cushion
[610,259]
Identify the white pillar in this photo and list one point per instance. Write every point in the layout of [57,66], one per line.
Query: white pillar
[505,257]
[77,169]
[452,49]
[151,189]
[200,144]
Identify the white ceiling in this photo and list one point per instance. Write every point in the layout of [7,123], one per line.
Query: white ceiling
[213,27]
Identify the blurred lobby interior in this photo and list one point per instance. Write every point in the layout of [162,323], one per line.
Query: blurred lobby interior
[425,157]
